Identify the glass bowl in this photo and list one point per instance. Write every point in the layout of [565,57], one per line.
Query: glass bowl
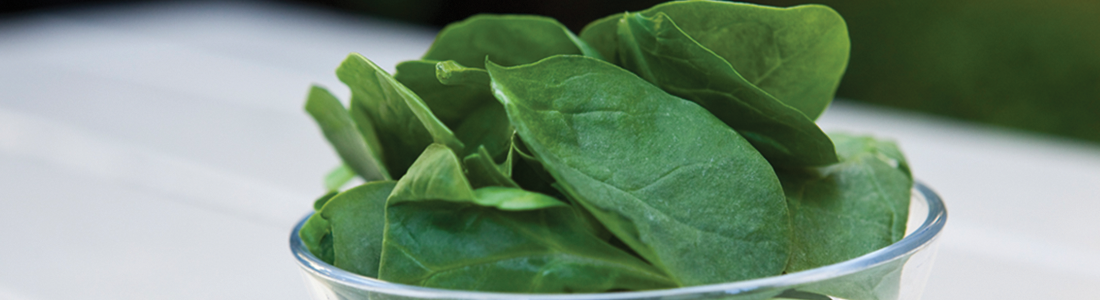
[897,272]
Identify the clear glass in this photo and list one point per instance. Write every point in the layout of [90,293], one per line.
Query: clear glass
[898,271]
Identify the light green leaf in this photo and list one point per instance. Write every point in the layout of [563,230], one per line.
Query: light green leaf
[338,177]
[506,198]
[657,50]
[403,122]
[677,185]
[342,133]
[451,73]
[436,175]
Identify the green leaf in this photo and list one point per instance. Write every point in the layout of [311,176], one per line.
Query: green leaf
[506,198]
[451,103]
[677,185]
[451,73]
[482,171]
[320,202]
[506,39]
[362,120]
[464,102]
[881,282]
[338,177]
[317,236]
[851,208]
[356,219]
[436,175]
[657,50]
[403,122]
[486,126]
[528,171]
[433,240]
[601,35]
[342,133]
[796,54]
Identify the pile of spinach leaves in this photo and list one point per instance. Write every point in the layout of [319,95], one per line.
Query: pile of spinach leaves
[669,147]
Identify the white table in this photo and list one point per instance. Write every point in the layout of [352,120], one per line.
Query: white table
[161,152]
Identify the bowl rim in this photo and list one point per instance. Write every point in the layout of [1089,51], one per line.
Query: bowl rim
[920,238]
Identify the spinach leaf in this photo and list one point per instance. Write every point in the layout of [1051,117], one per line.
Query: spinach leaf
[657,50]
[338,177]
[356,219]
[451,73]
[441,233]
[464,102]
[528,172]
[505,198]
[881,282]
[362,120]
[320,202]
[797,54]
[317,236]
[451,103]
[677,185]
[506,39]
[403,122]
[482,171]
[342,133]
[603,37]
[851,208]
[487,126]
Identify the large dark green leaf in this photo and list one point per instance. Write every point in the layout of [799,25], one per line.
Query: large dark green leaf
[342,133]
[851,208]
[657,50]
[403,122]
[676,184]
[442,233]
[506,39]
[797,54]
[356,219]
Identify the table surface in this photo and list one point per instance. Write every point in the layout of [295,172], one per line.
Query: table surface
[160,151]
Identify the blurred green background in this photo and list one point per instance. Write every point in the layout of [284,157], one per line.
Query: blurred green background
[1025,64]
